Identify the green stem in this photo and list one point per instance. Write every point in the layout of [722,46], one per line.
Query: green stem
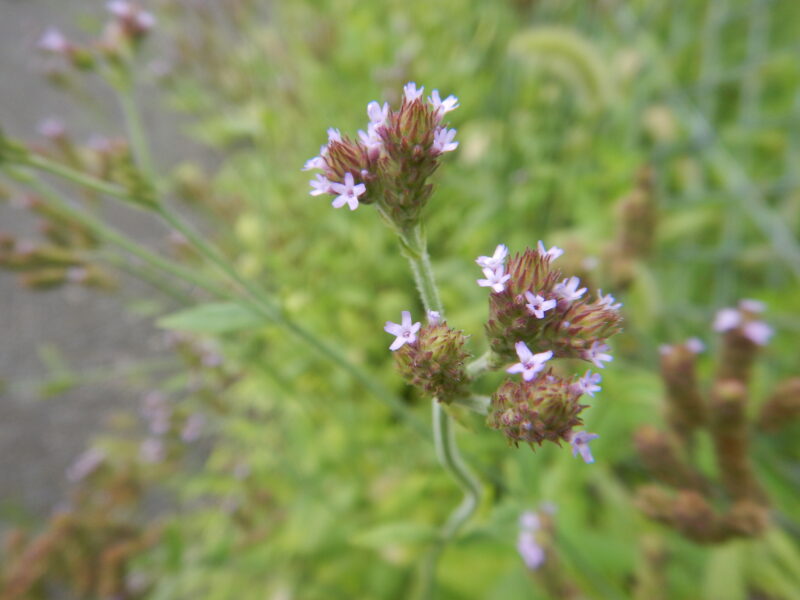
[478,404]
[480,365]
[76,177]
[133,123]
[415,248]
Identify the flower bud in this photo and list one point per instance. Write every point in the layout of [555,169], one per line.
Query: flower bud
[532,412]
[575,328]
[687,410]
[434,362]
[730,432]
[663,457]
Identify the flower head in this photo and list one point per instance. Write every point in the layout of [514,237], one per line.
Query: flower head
[757,332]
[495,279]
[405,332]
[727,319]
[568,289]
[53,41]
[494,261]
[537,305]
[348,193]
[580,445]
[529,364]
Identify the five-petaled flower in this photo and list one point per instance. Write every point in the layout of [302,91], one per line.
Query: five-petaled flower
[494,261]
[377,114]
[495,279]
[597,353]
[568,289]
[443,141]
[411,92]
[580,445]
[588,383]
[442,107]
[405,331]
[529,364]
[320,185]
[348,193]
[537,305]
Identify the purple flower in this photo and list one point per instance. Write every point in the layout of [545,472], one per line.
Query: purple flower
[757,332]
[597,354]
[532,554]
[443,141]
[694,345]
[552,254]
[320,185]
[495,279]
[406,332]
[371,140]
[377,114]
[568,289]
[727,319]
[442,107]
[334,135]
[529,364]
[498,259]
[529,521]
[411,92]
[314,163]
[434,318]
[348,193]
[588,383]
[53,41]
[752,306]
[580,445]
[607,301]
[537,305]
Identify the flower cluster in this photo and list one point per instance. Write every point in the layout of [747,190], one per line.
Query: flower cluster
[431,357]
[534,303]
[389,163]
[743,333]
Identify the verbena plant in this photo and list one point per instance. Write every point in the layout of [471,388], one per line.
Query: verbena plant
[321,481]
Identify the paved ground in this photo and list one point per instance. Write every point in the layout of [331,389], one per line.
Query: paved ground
[39,438]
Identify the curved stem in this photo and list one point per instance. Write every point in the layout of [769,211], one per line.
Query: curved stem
[133,125]
[415,248]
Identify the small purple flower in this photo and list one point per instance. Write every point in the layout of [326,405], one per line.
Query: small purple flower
[568,289]
[757,332]
[495,279]
[371,140]
[348,193]
[597,353]
[588,383]
[52,128]
[319,185]
[607,301]
[529,521]
[498,259]
[529,364]
[53,41]
[334,135]
[752,306]
[443,141]
[694,345]
[377,114]
[537,305]
[532,554]
[434,318]
[406,332]
[552,254]
[727,319]
[442,107]
[314,163]
[411,92]
[580,445]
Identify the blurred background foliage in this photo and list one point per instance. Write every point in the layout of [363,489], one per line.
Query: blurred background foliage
[305,485]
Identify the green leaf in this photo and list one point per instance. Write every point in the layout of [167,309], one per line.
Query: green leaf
[214,317]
